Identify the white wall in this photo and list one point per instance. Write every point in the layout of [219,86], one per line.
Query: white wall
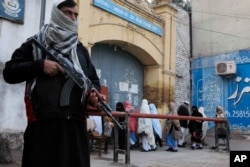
[12,112]
[220,26]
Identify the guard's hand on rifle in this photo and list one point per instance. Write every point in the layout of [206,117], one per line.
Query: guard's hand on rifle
[95,99]
[52,68]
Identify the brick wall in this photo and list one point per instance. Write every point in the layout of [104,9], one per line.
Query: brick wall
[183,78]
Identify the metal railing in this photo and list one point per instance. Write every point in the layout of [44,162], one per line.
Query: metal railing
[126,125]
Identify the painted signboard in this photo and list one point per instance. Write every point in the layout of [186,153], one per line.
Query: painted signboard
[128,15]
[12,10]
[232,93]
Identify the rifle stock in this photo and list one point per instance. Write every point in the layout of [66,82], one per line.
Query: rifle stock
[80,79]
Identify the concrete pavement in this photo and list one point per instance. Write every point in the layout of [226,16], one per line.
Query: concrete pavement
[185,157]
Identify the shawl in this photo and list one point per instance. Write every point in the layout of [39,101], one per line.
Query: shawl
[60,38]
[145,124]
[204,124]
[128,106]
[155,122]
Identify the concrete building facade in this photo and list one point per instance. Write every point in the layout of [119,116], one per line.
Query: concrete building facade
[221,38]
[147,33]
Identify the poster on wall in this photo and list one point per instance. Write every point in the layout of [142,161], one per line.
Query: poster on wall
[12,10]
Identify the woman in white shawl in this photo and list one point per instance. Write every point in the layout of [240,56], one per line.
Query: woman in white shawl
[156,125]
[204,125]
[145,128]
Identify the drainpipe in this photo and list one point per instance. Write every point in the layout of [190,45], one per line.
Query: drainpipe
[191,53]
[42,16]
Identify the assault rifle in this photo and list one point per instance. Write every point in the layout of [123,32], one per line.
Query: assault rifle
[75,78]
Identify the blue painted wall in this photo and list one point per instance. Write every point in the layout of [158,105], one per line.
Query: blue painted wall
[233,94]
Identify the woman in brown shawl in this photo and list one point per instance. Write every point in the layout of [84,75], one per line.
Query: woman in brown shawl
[172,130]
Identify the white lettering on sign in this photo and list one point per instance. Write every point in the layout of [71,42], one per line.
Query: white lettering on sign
[240,158]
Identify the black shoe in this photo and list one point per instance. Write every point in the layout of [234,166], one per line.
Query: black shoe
[192,147]
[142,150]
[154,149]
[174,150]
[213,147]
[133,146]
[181,145]
[170,149]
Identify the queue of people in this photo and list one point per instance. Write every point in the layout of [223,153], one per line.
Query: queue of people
[148,133]
[145,133]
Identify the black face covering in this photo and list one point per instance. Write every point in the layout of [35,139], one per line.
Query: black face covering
[194,109]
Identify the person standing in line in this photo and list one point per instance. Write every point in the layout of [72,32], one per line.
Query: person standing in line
[145,129]
[222,128]
[183,111]
[121,132]
[195,129]
[56,134]
[156,125]
[204,126]
[172,129]
[133,125]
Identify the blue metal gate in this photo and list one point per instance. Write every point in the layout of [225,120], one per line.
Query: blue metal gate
[121,72]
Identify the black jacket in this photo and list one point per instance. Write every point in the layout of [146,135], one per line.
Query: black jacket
[45,96]
[183,111]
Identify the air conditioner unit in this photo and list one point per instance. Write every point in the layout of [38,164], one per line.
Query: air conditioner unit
[226,68]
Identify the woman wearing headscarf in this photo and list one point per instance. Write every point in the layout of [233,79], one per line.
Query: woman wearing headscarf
[172,129]
[204,126]
[221,127]
[156,125]
[195,129]
[145,128]
[121,132]
[133,124]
